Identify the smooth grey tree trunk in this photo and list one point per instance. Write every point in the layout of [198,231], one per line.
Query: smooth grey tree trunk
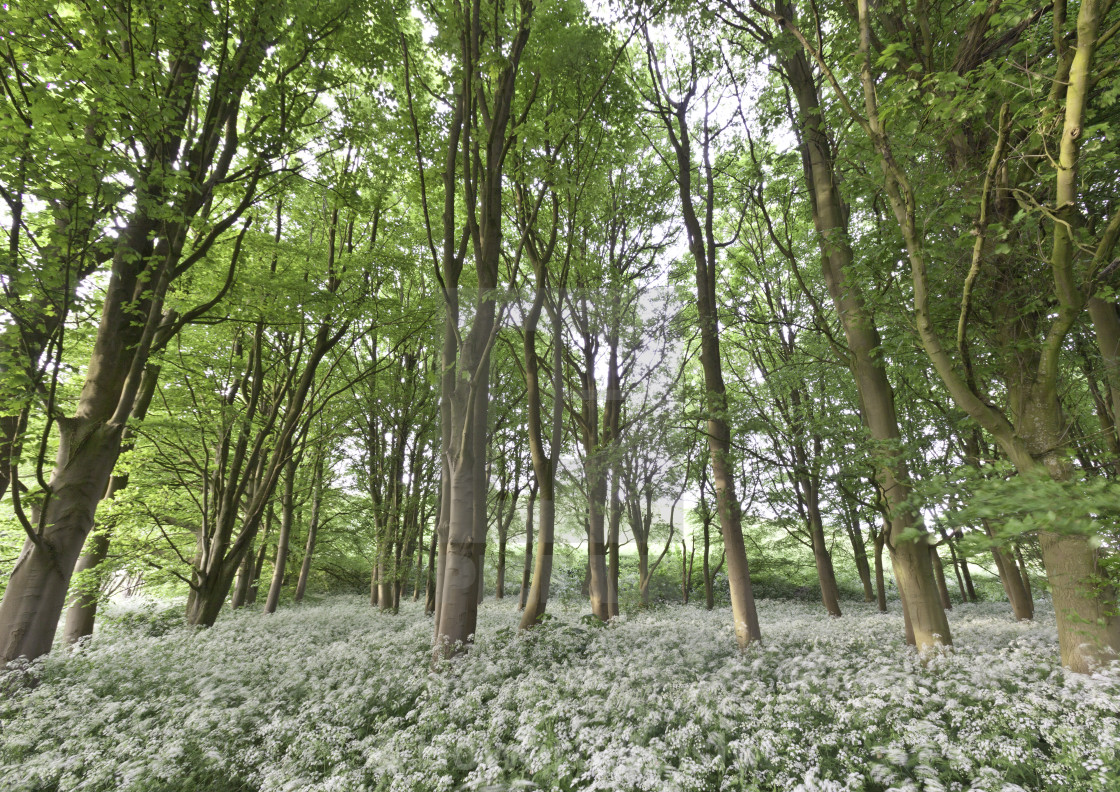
[287,513]
[312,530]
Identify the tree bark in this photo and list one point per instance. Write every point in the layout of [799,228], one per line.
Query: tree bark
[1023,571]
[880,580]
[312,529]
[968,585]
[612,419]
[1022,605]
[595,474]
[258,566]
[244,579]
[939,574]
[433,548]
[709,593]
[420,579]
[614,518]
[907,620]
[500,583]
[287,513]
[83,609]
[544,465]
[826,575]
[859,552]
[687,564]
[1106,328]
[527,569]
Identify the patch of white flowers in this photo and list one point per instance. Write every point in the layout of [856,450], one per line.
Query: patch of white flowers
[339,697]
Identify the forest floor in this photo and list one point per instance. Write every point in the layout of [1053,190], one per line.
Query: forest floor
[335,696]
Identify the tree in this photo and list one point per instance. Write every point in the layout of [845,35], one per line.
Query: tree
[674,115]
[1031,428]
[199,149]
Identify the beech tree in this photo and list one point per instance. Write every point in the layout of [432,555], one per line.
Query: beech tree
[1031,428]
[671,96]
[193,149]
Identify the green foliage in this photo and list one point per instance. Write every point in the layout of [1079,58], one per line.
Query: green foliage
[150,618]
[1018,505]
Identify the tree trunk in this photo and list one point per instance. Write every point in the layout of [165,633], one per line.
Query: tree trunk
[465,385]
[1087,623]
[595,473]
[880,581]
[258,568]
[420,579]
[505,522]
[968,586]
[443,522]
[1022,605]
[702,246]
[1086,610]
[830,592]
[480,437]
[643,574]
[481,585]
[36,591]
[83,609]
[244,579]
[385,586]
[907,621]
[203,610]
[709,574]
[613,521]
[544,469]
[457,603]
[430,588]
[374,587]
[687,562]
[612,419]
[1024,572]
[859,552]
[1106,328]
[312,530]
[42,579]
[527,569]
[287,512]
[500,584]
[863,568]
[910,557]
[939,574]
[957,570]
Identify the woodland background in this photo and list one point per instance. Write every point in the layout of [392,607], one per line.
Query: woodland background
[619,305]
